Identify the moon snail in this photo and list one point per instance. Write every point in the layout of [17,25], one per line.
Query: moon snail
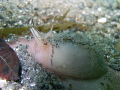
[69,54]
[74,57]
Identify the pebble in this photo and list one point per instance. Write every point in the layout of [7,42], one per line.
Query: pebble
[102,20]
[118,26]
[100,9]
[2,83]
[80,11]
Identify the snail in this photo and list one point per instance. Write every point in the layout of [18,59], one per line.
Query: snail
[69,52]
[73,56]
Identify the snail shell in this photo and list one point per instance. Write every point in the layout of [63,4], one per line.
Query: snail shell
[74,56]
[69,54]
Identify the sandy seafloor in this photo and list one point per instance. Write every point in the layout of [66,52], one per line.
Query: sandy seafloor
[103,16]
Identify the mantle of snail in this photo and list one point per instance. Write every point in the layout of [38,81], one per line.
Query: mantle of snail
[73,56]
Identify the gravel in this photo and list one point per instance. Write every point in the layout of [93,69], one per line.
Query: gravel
[102,16]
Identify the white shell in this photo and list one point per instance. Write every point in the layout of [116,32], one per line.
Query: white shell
[76,56]
[73,55]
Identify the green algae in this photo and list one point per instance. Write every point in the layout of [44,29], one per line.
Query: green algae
[63,25]
[20,30]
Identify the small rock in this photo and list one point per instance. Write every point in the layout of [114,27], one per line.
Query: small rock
[10,87]
[118,26]
[100,9]
[102,20]
[44,19]
[2,83]
[32,84]
[116,36]
[81,5]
